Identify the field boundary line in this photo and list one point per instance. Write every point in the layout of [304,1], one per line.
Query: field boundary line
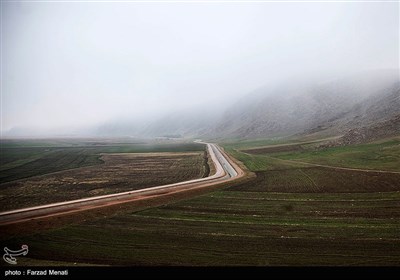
[311,180]
[337,167]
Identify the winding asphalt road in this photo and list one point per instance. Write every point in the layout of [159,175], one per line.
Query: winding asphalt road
[226,170]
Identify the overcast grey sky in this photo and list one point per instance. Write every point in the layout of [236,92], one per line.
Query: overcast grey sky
[78,64]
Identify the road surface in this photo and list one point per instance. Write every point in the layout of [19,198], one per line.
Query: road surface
[226,171]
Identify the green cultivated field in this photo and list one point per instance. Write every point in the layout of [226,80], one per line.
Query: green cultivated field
[383,155]
[117,168]
[291,214]
[236,228]
[26,158]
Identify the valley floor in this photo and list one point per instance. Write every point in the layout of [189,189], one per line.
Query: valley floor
[290,214]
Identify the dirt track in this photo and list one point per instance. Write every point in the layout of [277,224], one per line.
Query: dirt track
[338,167]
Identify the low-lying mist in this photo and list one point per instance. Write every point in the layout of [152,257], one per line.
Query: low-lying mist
[211,70]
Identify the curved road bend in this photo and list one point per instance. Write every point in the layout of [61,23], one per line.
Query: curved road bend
[226,170]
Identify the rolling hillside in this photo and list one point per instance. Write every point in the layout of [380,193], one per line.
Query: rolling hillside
[327,109]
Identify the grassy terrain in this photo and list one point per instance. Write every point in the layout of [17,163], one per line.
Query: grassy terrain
[319,179]
[250,143]
[274,174]
[236,228]
[380,155]
[247,143]
[259,162]
[19,163]
[291,214]
[120,172]
[26,158]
